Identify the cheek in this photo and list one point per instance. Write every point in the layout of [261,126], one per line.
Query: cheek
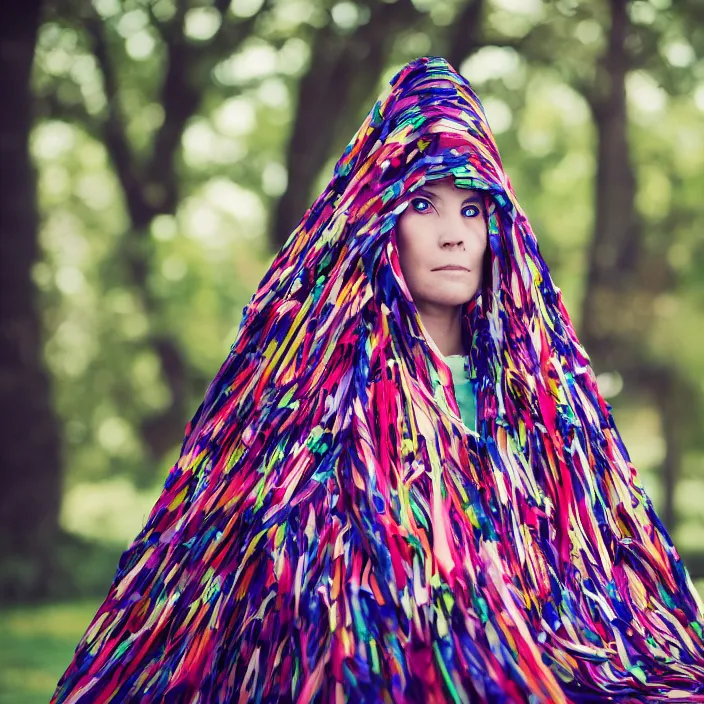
[407,242]
[481,251]
[479,245]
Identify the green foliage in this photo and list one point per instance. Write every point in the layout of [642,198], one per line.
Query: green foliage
[534,71]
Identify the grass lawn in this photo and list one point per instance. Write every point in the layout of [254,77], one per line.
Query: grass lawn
[36,647]
[37,644]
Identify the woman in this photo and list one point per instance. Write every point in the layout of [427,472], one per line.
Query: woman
[333,531]
[441,240]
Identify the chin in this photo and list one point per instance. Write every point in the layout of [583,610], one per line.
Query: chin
[449,294]
[451,301]
[457,296]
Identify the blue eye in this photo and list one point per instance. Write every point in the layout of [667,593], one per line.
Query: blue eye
[422,201]
[423,205]
[475,210]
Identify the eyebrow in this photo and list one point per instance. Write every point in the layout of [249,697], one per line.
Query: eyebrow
[471,199]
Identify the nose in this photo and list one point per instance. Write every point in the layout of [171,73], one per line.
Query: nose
[459,233]
[453,231]
[452,240]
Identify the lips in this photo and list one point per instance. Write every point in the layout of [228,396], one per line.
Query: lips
[451,267]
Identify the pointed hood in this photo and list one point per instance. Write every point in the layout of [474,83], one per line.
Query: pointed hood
[332,531]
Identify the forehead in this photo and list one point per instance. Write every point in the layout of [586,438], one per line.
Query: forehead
[447,185]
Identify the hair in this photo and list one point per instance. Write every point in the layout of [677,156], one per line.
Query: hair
[330,530]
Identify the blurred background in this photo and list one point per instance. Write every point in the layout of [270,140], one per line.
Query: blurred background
[157,153]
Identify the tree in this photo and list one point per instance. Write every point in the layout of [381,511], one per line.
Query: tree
[30,459]
[150,185]
[624,274]
[343,78]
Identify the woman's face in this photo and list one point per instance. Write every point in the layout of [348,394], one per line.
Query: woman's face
[442,226]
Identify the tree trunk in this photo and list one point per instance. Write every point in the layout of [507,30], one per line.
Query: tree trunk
[152,189]
[615,247]
[616,306]
[30,447]
[343,74]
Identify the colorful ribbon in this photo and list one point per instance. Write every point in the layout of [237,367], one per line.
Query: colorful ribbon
[332,533]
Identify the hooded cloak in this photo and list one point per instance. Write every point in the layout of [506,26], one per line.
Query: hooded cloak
[333,532]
